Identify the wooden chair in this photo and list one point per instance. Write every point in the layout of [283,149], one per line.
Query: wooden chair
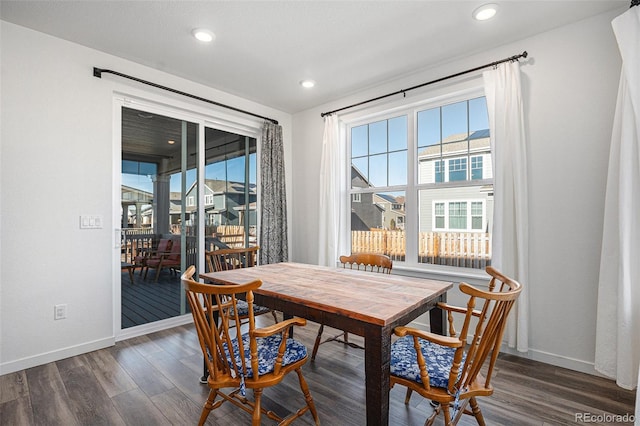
[444,369]
[170,260]
[163,247]
[261,358]
[234,258]
[371,262]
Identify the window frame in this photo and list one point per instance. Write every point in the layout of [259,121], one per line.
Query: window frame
[410,108]
[469,214]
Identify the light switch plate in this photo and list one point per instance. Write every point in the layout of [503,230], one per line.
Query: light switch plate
[91,222]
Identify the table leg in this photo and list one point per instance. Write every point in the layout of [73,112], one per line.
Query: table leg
[377,359]
[438,318]
[285,317]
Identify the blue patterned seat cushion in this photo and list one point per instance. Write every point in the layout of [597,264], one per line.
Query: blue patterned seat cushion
[404,361]
[267,353]
[243,309]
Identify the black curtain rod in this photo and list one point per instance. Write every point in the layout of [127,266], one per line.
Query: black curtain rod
[403,91]
[634,3]
[97,72]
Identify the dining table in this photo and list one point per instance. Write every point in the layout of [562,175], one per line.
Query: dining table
[363,303]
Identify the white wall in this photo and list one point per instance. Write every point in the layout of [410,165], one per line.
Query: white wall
[56,164]
[569,86]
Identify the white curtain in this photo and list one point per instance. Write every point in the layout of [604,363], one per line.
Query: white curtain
[618,318]
[510,218]
[332,184]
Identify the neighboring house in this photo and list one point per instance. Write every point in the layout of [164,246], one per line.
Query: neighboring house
[393,211]
[224,205]
[374,210]
[137,205]
[224,202]
[466,207]
[365,213]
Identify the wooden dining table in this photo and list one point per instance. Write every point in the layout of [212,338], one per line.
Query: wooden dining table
[363,303]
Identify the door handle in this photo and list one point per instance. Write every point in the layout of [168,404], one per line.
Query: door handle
[118,238]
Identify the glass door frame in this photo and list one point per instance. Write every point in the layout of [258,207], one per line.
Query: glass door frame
[202,116]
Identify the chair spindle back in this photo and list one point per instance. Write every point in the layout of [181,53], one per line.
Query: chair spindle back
[208,301]
[372,262]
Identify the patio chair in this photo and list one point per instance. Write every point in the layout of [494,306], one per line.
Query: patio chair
[258,359]
[234,258]
[371,262]
[164,246]
[170,260]
[444,369]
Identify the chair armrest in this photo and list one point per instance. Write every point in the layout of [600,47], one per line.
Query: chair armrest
[278,328]
[152,253]
[452,342]
[458,309]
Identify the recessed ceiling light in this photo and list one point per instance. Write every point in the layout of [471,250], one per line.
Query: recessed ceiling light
[485,12]
[203,35]
[307,84]
[171,142]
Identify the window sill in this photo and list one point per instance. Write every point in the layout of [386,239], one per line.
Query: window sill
[444,273]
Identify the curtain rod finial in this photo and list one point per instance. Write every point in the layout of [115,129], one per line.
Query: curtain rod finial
[634,3]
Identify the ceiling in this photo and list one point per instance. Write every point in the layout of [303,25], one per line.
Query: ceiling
[158,139]
[264,48]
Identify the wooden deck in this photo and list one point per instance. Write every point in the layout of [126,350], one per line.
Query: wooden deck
[147,301]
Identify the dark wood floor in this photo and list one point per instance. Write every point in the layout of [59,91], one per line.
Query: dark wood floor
[153,380]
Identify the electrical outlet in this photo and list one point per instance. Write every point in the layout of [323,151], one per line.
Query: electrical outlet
[59,312]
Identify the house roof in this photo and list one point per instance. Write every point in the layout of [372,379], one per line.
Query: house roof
[477,141]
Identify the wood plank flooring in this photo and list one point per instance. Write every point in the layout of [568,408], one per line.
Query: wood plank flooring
[147,300]
[153,380]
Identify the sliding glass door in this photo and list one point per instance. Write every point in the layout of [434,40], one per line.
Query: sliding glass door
[230,190]
[170,213]
[159,220]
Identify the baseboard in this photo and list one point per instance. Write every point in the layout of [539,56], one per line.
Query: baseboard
[533,354]
[152,327]
[555,359]
[58,354]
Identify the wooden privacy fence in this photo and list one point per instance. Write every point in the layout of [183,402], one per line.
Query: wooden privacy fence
[231,235]
[462,249]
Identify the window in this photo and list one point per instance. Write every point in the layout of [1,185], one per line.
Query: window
[378,161]
[208,199]
[458,215]
[379,153]
[449,201]
[191,201]
[457,169]
[477,215]
[476,168]
[467,215]
[438,211]
[439,171]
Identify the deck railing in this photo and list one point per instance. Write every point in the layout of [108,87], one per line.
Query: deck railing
[136,241]
[462,249]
